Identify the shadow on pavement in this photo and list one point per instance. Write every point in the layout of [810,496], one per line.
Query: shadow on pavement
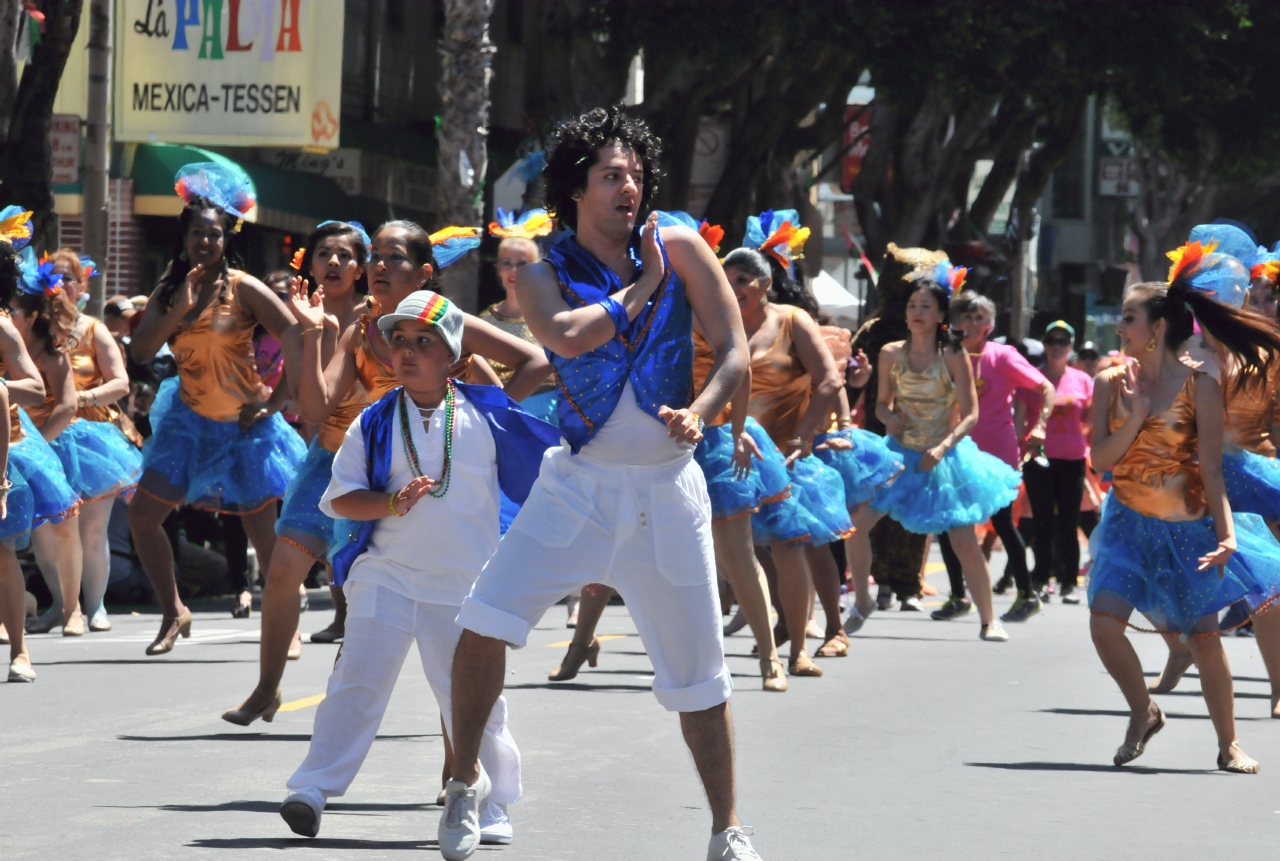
[274,807]
[577,686]
[307,843]
[1085,766]
[150,661]
[258,736]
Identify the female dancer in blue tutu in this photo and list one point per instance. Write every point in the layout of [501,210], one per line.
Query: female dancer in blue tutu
[17,503]
[948,485]
[1168,544]
[222,444]
[99,461]
[332,354]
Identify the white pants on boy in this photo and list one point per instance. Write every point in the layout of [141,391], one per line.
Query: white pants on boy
[381,626]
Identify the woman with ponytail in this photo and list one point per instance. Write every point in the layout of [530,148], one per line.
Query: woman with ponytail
[948,486]
[1169,544]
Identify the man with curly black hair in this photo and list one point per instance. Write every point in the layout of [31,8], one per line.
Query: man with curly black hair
[614,305]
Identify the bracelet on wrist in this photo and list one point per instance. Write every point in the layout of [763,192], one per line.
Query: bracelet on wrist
[795,442]
[319,327]
[5,488]
[391,505]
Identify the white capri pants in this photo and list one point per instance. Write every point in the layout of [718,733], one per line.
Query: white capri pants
[644,530]
[381,625]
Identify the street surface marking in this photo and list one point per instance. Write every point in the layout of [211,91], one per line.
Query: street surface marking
[305,702]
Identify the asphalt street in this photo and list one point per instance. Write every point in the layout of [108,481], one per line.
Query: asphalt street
[924,743]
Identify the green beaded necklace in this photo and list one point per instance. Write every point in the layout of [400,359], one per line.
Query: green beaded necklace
[411,451]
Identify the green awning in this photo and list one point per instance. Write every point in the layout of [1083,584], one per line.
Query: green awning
[289,200]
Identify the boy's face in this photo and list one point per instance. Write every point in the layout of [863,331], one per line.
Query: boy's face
[419,355]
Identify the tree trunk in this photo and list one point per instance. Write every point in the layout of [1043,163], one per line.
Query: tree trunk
[466,55]
[10,15]
[26,169]
[1169,204]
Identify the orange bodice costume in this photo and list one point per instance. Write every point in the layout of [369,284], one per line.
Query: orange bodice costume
[1158,476]
[217,369]
[1250,413]
[780,385]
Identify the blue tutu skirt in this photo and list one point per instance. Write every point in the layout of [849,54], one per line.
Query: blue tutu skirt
[1151,564]
[301,519]
[730,497]
[216,465]
[965,488]
[15,528]
[1253,483]
[98,459]
[53,498]
[867,466]
[814,512]
[543,406]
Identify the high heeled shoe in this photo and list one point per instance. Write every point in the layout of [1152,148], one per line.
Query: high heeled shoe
[295,647]
[243,716]
[573,661]
[1130,751]
[44,624]
[165,640]
[773,675]
[242,609]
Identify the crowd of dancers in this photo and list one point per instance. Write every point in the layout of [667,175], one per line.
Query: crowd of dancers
[639,416]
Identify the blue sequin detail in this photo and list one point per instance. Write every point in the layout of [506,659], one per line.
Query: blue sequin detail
[97,459]
[655,352]
[867,466]
[53,498]
[1253,483]
[300,515]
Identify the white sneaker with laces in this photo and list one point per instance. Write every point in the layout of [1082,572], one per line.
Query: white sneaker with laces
[459,832]
[495,826]
[733,844]
[994,632]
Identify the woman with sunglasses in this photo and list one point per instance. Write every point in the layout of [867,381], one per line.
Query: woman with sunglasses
[1055,490]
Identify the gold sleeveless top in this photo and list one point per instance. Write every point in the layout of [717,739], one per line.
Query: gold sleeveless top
[1250,414]
[15,425]
[217,369]
[703,359]
[1158,476]
[926,401]
[780,385]
[83,356]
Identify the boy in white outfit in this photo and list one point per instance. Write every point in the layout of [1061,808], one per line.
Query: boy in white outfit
[419,474]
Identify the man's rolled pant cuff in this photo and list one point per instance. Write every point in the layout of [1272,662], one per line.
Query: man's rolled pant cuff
[480,618]
[699,697]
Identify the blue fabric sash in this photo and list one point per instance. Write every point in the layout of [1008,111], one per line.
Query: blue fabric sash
[519,438]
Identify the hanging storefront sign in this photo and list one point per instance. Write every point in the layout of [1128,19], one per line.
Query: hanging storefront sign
[64,148]
[231,72]
[857,138]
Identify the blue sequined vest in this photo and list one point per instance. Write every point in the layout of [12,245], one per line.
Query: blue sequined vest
[655,351]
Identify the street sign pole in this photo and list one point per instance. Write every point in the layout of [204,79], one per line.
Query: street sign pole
[98,149]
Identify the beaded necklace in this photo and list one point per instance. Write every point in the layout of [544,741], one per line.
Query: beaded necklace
[411,451]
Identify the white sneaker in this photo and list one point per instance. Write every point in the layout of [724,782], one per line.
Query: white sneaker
[994,632]
[495,826]
[732,844]
[459,832]
[302,814]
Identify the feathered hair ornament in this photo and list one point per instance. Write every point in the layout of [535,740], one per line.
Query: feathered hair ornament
[15,226]
[778,234]
[712,234]
[1222,276]
[37,276]
[451,243]
[87,267]
[229,189]
[1268,269]
[535,222]
[299,259]
[951,277]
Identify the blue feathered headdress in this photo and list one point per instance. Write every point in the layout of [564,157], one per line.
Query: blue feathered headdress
[37,277]
[449,244]
[778,234]
[230,189]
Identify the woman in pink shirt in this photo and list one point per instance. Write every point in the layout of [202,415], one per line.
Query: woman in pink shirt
[998,370]
[1055,490]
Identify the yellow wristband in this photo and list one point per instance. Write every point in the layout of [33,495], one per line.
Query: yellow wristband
[391,505]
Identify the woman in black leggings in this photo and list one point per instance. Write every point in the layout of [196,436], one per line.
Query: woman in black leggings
[1055,490]
[998,370]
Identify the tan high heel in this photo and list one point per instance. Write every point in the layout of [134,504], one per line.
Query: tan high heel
[74,626]
[244,717]
[165,640]
[773,675]
[295,647]
[573,661]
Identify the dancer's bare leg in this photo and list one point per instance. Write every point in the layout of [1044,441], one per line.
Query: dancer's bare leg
[1216,686]
[479,670]
[1176,666]
[146,523]
[13,604]
[826,586]
[1122,662]
[280,610]
[793,593]
[94,519]
[1266,630]
[57,546]
[737,560]
[858,548]
[709,735]
[977,577]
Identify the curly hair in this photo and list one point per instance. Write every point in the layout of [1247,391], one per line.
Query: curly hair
[55,317]
[574,148]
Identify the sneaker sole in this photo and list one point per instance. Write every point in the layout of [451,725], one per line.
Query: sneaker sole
[300,818]
[495,839]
